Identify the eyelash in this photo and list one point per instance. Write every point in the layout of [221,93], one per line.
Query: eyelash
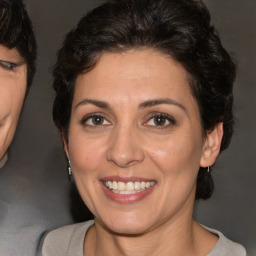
[165,118]
[90,117]
[8,65]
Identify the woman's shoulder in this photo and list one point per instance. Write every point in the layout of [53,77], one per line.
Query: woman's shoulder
[225,246]
[61,241]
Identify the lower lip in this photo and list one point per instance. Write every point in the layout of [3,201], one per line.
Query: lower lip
[126,198]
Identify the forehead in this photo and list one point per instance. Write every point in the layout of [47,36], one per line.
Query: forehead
[135,69]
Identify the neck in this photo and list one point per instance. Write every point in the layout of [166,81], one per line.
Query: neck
[163,241]
[183,237]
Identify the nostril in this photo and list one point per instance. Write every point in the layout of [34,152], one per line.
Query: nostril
[125,157]
[123,160]
[124,149]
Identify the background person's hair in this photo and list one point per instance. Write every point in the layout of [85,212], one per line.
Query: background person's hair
[180,29]
[16,31]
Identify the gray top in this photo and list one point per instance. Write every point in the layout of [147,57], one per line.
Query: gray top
[3,160]
[69,240]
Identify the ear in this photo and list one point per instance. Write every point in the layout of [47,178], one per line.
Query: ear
[212,145]
[65,144]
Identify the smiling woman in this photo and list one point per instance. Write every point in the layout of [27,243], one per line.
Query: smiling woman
[144,106]
[133,139]
[17,67]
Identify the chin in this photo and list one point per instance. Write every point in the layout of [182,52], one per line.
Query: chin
[132,230]
[128,225]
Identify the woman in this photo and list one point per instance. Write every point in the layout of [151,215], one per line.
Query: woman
[144,106]
[17,67]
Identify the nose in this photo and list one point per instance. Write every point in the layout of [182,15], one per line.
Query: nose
[125,148]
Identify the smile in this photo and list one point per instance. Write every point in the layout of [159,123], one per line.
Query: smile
[119,187]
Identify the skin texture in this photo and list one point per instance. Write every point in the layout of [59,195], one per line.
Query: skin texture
[122,89]
[12,93]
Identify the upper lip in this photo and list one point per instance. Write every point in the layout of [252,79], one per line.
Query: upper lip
[125,179]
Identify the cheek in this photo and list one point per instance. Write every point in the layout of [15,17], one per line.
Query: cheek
[177,155]
[12,96]
[85,154]
[178,162]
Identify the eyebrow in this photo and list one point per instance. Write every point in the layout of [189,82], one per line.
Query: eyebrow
[154,102]
[97,103]
[148,103]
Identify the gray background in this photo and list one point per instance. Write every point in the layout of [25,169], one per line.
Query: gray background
[35,193]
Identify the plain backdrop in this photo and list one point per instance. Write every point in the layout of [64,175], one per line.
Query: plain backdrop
[35,192]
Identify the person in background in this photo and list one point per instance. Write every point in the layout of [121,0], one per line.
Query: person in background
[144,96]
[18,50]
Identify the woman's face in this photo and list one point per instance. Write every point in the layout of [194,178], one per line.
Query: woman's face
[13,78]
[135,141]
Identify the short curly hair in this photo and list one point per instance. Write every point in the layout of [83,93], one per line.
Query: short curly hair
[16,31]
[180,29]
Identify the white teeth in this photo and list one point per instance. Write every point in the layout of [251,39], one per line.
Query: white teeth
[114,184]
[137,185]
[120,185]
[129,187]
[109,184]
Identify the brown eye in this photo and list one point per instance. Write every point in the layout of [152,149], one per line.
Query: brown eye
[160,121]
[95,120]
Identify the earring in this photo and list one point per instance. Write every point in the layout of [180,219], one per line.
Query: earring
[208,169]
[69,169]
